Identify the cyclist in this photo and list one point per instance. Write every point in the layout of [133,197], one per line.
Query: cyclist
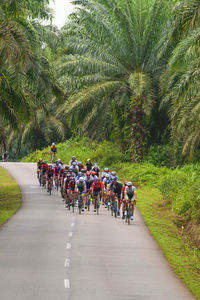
[123,200]
[45,167]
[53,151]
[39,167]
[75,168]
[88,165]
[113,174]
[106,171]
[106,181]
[5,156]
[80,166]
[130,195]
[71,171]
[81,190]
[97,188]
[60,162]
[71,187]
[115,190]
[79,175]
[96,169]
[57,170]
[66,188]
[73,160]
[89,181]
[50,176]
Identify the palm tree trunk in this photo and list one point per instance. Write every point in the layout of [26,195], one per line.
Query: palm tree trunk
[138,132]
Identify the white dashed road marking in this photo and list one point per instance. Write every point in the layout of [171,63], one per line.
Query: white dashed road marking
[72,225]
[70,234]
[67,262]
[68,246]
[66,283]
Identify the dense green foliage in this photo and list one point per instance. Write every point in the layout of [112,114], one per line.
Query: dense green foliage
[180,186]
[122,71]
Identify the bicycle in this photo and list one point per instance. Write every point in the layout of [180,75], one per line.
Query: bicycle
[67,200]
[44,181]
[128,212]
[40,178]
[73,202]
[49,187]
[98,203]
[56,182]
[88,202]
[53,157]
[79,203]
[116,206]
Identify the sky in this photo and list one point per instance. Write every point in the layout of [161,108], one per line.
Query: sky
[62,8]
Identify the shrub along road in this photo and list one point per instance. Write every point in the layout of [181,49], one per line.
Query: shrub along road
[47,252]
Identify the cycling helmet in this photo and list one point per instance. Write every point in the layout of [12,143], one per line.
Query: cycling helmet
[107,176]
[80,163]
[83,171]
[53,144]
[66,167]
[45,162]
[59,160]
[50,166]
[88,159]
[129,183]
[40,159]
[80,174]
[106,170]
[113,173]
[81,179]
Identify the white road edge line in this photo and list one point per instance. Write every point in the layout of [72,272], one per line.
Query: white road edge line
[68,246]
[72,225]
[67,262]
[66,283]
[70,234]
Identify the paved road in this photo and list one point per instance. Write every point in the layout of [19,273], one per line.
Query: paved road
[47,253]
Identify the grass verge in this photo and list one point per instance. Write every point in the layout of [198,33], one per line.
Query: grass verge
[176,245]
[10,196]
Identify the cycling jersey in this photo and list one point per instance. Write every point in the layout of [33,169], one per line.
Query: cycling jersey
[104,174]
[116,188]
[56,169]
[106,182]
[89,183]
[53,149]
[71,185]
[97,185]
[81,166]
[88,166]
[130,192]
[71,161]
[44,168]
[39,165]
[97,170]
[50,173]
[66,181]
[80,186]
[61,172]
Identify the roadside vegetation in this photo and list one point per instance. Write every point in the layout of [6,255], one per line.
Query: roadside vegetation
[168,199]
[10,196]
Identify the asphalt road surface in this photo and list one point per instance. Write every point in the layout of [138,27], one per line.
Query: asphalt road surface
[49,253]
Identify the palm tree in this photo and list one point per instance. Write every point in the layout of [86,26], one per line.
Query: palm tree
[111,55]
[181,81]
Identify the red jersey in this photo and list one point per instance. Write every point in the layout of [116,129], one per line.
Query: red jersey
[98,185]
[50,172]
[71,185]
[61,172]
[45,167]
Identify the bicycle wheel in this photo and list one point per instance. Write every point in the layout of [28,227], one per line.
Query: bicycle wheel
[79,204]
[40,180]
[97,204]
[50,187]
[88,203]
[69,204]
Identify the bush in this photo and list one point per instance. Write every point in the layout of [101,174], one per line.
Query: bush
[160,155]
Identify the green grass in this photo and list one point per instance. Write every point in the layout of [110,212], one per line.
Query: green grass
[10,196]
[177,247]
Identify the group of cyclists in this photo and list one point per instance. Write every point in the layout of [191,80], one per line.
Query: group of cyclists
[87,182]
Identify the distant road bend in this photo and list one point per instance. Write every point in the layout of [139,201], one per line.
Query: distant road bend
[49,253]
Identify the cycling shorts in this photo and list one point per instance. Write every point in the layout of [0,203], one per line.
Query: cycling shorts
[96,192]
